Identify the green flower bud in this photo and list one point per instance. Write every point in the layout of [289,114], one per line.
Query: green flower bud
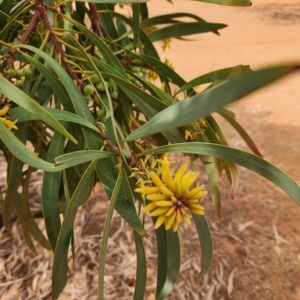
[11,73]
[101,113]
[137,61]
[114,95]
[19,83]
[27,73]
[97,99]
[20,73]
[88,90]
[135,69]
[95,78]
[101,86]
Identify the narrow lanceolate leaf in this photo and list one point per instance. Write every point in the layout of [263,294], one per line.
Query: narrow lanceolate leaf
[105,233]
[183,29]
[220,75]
[210,100]
[13,93]
[19,150]
[213,183]
[14,171]
[206,242]
[114,1]
[125,205]
[22,115]
[245,159]
[227,115]
[24,223]
[162,255]
[136,23]
[173,264]
[230,168]
[24,154]
[79,157]
[50,192]
[60,266]
[141,268]
[228,2]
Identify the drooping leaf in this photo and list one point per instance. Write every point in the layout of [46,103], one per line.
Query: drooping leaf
[60,268]
[209,101]
[245,159]
[183,29]
[173,264]
[22,115]
[206,243]
[228,2]
[105,233]
[14,170]
[50,192]
[242,132]
[10,91]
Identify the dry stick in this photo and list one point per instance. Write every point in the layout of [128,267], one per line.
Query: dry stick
[58,48]
[95,20]
[96,23]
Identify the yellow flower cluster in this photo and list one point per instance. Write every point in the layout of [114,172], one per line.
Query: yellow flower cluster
[200,127]
[9,124]
[166,44]
[169,195]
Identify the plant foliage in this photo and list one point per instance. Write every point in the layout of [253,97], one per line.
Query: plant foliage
[85,98]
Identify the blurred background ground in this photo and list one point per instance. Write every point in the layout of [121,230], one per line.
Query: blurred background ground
[257,241]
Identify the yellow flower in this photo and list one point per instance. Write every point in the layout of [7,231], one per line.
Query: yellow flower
[169,195]
[200,127]
[152,75]
[4,110]
[166,44]
[9,124]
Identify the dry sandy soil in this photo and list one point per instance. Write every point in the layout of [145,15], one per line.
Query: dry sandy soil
[257,241]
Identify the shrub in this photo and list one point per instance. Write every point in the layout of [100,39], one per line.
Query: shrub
[83,105]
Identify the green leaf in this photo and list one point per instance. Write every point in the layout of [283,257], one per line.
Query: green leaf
[210,100]
[18,149]
[183,29]
[168,19]
[136,23]
[114,1]
[125,204]
[172,245]
[227,115]
[57,85]
[219,75]
[230,168]
[105,233]
[50,192]
[14,172]
[60,266]
[5,7]
[99,43]
[245,159]
[24,222]
[141,267]
[22,115]
[75,158]
[13,93]
[162,255]
[206,242]
[228,2]
[212,179]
